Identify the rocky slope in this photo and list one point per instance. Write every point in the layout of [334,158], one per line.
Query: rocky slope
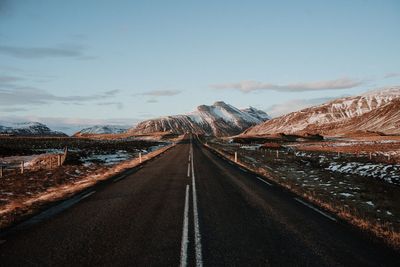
[28,129]
[101,129]
[327,118]
[219,119]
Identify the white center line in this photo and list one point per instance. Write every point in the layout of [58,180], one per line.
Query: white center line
[262,180]
[188,172]
[185,238]
[315,209]
[197,236]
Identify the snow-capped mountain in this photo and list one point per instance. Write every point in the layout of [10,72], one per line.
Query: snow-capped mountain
[101,129]
[28,129]
[385,119]
[313,119]
[219,119]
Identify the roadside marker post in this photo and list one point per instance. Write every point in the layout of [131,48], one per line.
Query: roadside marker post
[22,167]
[277,154]
[236,157]
[59,160]
[140,157]
[1,171]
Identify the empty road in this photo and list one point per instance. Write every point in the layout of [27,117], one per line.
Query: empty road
[189,207]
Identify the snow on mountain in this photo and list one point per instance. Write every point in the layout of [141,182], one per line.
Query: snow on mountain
[335,111]
[102,129]
[219,119]
[385,119]
[27,129]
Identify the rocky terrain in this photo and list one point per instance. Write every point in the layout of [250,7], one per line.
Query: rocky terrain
[375,111]
[219,119]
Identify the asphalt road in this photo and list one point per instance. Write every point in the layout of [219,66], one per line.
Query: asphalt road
[190,207]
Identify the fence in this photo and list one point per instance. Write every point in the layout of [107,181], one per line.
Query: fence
[48,161]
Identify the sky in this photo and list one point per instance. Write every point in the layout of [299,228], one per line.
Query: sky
[75,63]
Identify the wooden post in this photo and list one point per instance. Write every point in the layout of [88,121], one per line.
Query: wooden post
[1,171]
[140,157]
[58,160]
[22,167]
[235,156]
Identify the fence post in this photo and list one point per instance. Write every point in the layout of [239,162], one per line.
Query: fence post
[140,157]
[235,156]
[22,167]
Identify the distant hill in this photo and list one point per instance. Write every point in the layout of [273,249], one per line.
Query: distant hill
[28,129]
[101,129]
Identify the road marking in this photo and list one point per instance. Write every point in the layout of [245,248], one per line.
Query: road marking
[119,178]
[87,195]
[315,209]
[262,180]
[244,170]
[188,172]
[185,238]
[197,236]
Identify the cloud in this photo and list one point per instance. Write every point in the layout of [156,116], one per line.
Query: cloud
[295,105]
[24,95]
[250,86]
[118,105]
[392,75]
[13,109]
[5,79]
[68,51]
[157,93]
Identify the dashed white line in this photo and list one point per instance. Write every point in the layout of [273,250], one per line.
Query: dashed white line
[87,195]
[188,171]
[185,238]
[262,180]
[197,236]
[119,178]
[315,209]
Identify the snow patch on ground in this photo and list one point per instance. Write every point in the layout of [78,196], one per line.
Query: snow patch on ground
[389,173]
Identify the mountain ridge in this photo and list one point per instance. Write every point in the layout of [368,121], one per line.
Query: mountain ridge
[314,119]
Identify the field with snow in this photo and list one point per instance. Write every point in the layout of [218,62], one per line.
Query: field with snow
[354,185]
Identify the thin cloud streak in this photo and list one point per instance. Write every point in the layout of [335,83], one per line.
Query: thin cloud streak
[71,51]
[162,93]
[392,75]
[25,95]
[251,86]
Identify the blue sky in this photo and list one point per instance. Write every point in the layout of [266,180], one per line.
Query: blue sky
[86,62]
